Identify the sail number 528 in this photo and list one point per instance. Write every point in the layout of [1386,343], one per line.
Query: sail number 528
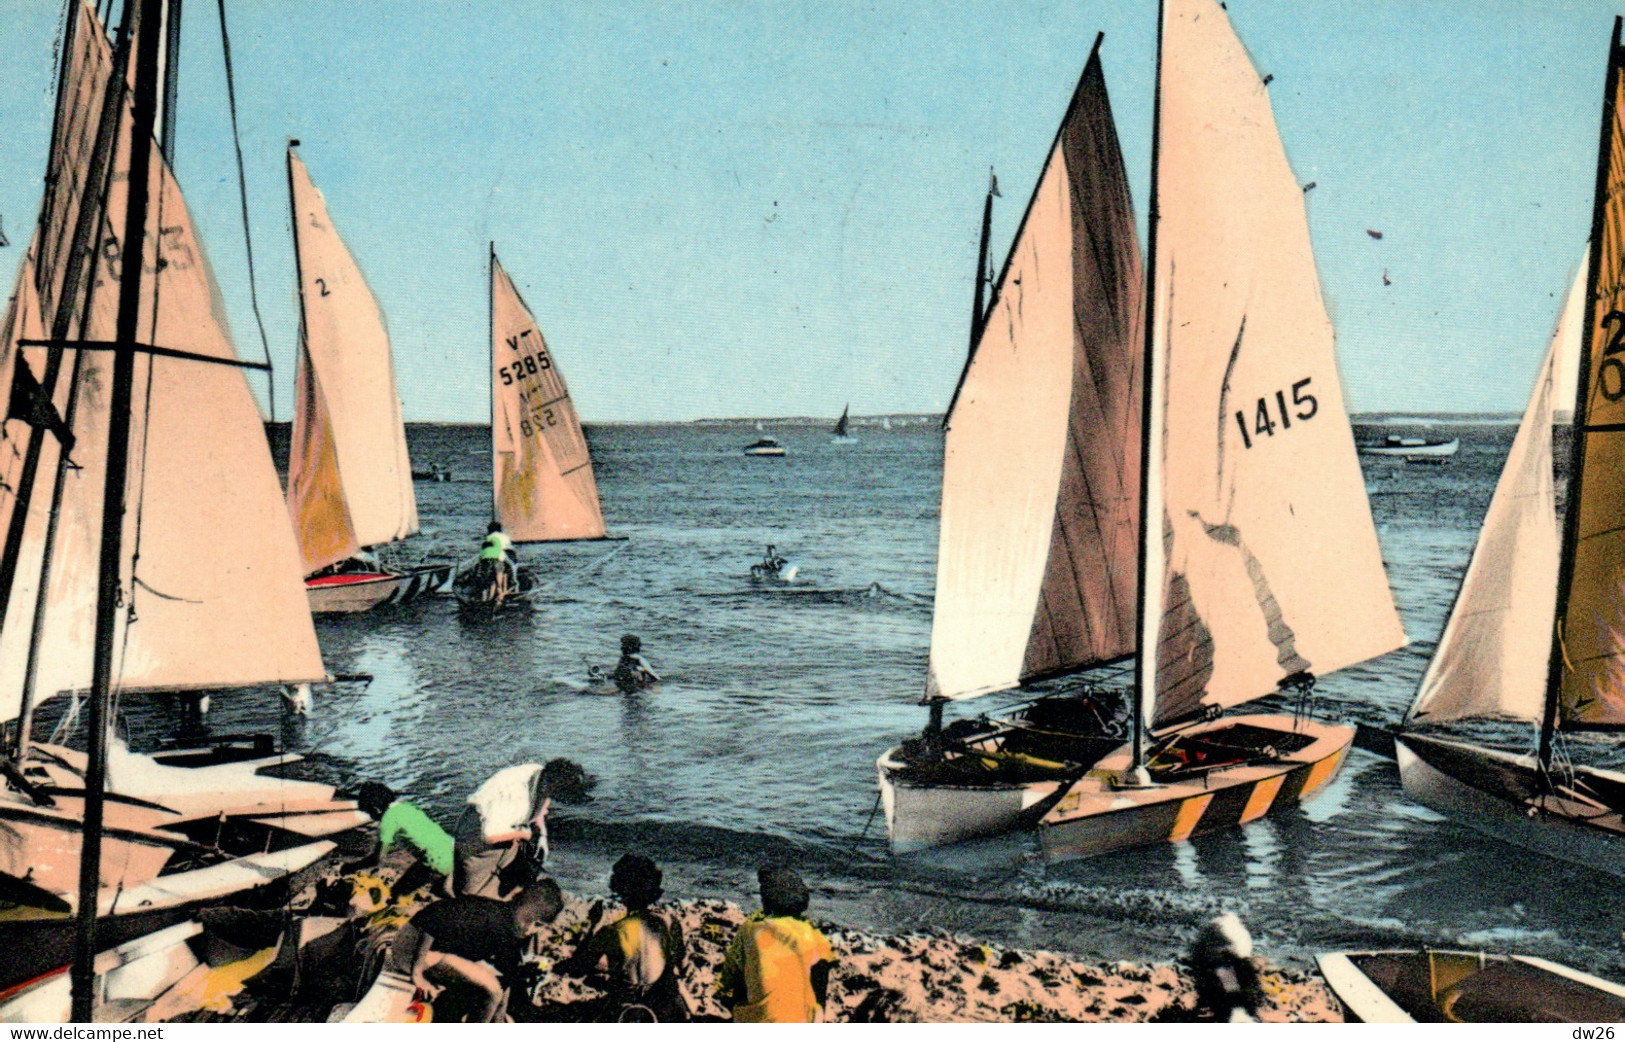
[1263,423]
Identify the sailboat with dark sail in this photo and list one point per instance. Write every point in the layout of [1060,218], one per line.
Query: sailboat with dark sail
[1534,638]
[841,434]
[349,477]
[1037,547]
[1259,564]
[1219,536]
[138,432]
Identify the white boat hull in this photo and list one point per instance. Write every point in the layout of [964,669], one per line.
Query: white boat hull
[347,594]
[1440,986]
[1508,818]
[922,816]
[1435,448]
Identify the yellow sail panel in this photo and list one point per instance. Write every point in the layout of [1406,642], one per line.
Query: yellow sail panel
[1270,559]
[1591,681]
[321,518]
[1036,564]
[210,579]
[543,478]
[348,351]
[1493,657]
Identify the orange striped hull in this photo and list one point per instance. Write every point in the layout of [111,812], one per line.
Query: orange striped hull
[1098,815]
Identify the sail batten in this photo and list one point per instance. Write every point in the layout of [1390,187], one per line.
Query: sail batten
[349,441]
[1039,579]
[542,475]
[1268,562]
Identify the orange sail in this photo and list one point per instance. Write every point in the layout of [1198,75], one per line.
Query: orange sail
[542,473]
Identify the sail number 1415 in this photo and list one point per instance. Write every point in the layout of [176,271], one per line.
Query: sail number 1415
[1303,407]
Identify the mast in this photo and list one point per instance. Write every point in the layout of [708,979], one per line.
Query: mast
[1145,664]
[108,594]
[984,275]
[1571,519]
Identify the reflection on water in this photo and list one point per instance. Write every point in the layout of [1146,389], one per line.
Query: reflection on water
[761,742]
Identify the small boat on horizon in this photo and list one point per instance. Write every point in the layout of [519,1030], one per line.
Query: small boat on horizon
[1437,986]
[1412,447]
[840,436]
[764,446]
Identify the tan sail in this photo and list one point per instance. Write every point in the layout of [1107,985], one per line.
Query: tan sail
[542,473]
[1591,684]
[1270,558]
[1493,655]
[211,587]
[349,439]
[1036,566]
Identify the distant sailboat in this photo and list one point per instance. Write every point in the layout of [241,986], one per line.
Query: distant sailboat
[840,435]
[349,478]
[147,545]
[543,484]
[1260,564]
[1534,636]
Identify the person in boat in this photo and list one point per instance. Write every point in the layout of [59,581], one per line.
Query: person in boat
[498,567]
[641,952]
[633,672]
[402,825]
[500,840]
[776,969]
[1221,960]
[464,953]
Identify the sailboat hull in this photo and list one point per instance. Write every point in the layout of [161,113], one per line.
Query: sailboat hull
[1502,795]
[364,591]
[921,816]
[1281,761]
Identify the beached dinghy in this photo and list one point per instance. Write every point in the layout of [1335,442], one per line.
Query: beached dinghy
[349,478]
[1452,987]
[1534,636]
[106,586]
[542,484]
[1036,554]
[1260,564]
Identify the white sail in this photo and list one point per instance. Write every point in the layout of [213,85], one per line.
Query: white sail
[1270,557]
[1494,654]
[210,581]
[1037,545]
[541,470]
[348,414]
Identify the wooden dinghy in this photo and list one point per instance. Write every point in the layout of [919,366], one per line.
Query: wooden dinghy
[1458,987]
[363,591]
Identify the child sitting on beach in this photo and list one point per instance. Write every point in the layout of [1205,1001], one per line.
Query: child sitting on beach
[641,952]
[777,969]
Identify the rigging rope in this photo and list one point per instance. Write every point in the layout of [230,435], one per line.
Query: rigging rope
[242,195]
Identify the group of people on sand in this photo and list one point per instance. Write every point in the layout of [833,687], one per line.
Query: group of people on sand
[462,954]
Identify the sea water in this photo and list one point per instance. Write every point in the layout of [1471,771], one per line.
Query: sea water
[760,743]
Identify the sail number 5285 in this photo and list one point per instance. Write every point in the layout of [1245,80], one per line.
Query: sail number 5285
[530,365]
[1304,407]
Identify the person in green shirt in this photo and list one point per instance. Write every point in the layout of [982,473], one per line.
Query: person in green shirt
[402,824]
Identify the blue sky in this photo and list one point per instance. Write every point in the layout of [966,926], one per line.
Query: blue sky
[740,208]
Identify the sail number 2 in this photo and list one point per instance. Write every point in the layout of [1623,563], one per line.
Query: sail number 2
[1304,408]
[530,365]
